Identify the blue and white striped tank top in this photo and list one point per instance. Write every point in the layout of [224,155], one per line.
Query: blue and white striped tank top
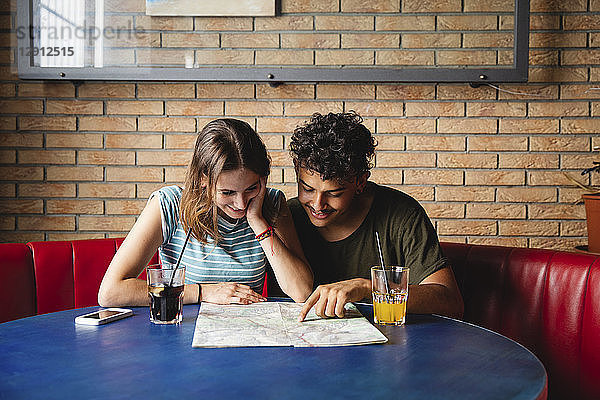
[237,258]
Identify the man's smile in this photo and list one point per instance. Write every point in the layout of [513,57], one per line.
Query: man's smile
[321,214]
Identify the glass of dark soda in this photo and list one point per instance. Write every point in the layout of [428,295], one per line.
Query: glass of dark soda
[165,291]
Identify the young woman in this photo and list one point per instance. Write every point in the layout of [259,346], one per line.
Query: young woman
[237,224]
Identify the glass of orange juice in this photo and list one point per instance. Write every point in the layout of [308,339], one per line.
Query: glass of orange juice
[389,286]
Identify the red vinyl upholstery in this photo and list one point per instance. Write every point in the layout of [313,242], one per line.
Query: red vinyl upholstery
[549,301]
[589,377]
[68,274]
[17,297]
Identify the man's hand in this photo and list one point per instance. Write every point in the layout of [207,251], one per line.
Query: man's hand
[329,300]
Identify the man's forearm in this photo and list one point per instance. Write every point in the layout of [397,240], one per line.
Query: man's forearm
[432,298]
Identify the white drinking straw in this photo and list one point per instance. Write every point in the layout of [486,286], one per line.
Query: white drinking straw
[387,289]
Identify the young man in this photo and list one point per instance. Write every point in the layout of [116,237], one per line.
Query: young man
[338,211]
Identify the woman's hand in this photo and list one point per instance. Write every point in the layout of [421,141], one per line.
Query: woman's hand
[229,293]
[254,213]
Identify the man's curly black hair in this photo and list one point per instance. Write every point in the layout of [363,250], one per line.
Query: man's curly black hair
[336,146]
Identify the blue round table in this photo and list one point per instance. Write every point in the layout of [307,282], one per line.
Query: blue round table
[431,357]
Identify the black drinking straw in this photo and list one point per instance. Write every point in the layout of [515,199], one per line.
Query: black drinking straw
[180,255]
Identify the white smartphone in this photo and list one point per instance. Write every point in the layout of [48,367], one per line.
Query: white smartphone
[103,316]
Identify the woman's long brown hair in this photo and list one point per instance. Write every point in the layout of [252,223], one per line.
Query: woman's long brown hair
[223,145]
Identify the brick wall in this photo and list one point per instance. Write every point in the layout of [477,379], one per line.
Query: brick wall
[80,162]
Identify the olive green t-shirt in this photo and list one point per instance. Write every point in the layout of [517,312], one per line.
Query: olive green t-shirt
[406,234]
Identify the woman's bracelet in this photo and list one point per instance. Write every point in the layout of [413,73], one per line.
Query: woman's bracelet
[199,292]
[268,232]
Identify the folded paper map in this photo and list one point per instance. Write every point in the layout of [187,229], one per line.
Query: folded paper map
[276,324]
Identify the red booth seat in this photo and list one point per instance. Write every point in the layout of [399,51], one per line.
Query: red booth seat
[68,274]
[55,275]
[549,301]
[17,298]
